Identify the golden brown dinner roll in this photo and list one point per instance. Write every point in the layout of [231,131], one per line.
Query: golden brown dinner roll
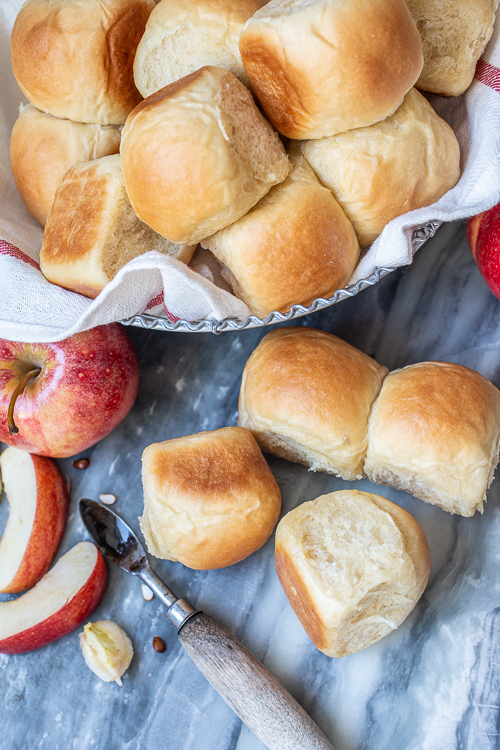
[210,499]
[43,148]
[198,154]
[92,231]
[306,396]
[320,67]
[434,432]
[183,35]
[74,58]
[353,566]
[295,245]
[407,161]
[454,34]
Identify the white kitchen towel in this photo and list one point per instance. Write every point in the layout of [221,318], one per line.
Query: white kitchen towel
[32,309]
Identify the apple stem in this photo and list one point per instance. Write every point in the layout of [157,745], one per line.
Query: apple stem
[13,430]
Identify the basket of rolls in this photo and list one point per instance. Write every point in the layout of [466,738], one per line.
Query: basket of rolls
[217,165]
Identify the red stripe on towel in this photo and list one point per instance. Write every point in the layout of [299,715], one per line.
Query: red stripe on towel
[488,74]
[158,300]
[7,249]
[171,317]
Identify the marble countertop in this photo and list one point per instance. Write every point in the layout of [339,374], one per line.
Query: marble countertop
[431,685]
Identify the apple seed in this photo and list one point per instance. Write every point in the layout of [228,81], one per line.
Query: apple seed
[81,463]
[159,644]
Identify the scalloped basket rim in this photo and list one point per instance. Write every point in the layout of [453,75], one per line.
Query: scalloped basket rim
[152,322]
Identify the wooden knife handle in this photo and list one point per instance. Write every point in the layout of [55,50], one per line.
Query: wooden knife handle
[260,701]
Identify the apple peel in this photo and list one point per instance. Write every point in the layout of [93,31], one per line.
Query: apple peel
[57,605]
[38,500]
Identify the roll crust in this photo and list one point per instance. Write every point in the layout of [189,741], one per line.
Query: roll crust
[353,566]
[92,230]
[407,161]
[43,148]
[434,432]
[74,58]
[321,67]
[306,395]
[184,35]
[210,499]
[198,154]
[295,245]
[454,35]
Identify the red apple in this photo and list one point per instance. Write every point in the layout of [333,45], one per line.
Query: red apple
[483,233]
[85,387]
[38,511]
[58,604]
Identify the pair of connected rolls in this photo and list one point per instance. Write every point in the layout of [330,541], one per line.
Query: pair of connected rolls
[431,429]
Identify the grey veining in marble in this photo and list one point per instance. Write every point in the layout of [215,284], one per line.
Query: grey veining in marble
[431,685]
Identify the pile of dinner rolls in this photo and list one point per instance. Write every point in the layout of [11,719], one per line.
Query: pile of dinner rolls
[200,162]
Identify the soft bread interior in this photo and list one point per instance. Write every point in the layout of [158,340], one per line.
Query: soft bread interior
[128,237]
[183,35]
[353,566]
[454,34]
[252,137]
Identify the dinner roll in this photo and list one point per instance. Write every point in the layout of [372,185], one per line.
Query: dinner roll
[320,67]
[306,396]
[92,231]
[198,154]
[295,245]
[74,58]
[454,34]
[407,161]
[434,432]
[43,148]
[183,35]
[210,499]
[353,566]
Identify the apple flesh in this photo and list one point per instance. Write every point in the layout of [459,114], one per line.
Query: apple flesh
[38,511]
[483,233]
[57,605]
[86,386]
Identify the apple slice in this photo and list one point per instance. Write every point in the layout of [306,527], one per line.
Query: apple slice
[38,500]
[59,603]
